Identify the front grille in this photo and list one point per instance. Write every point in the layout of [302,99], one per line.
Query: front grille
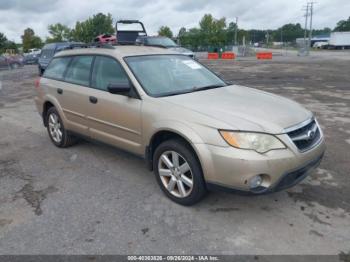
[306,136]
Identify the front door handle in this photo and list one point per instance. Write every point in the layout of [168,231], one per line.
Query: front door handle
[59,91]
[93,99]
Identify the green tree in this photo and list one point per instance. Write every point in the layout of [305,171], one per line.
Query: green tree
[343,25]
[6,44]
[213,31]
[324,31]
[3,42]
[87,30]
[30,40]
[230,32]
[287,33]
[256,36]
[165,31]
[58,33]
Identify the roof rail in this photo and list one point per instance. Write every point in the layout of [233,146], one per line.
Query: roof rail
[89,45]
[151,45]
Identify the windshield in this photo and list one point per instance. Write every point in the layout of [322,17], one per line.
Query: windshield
[163,41]
[164,75]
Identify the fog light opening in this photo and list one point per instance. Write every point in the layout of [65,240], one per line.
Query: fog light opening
[255,182]
[259,183]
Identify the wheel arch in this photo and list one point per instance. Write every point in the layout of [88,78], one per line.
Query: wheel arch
[48,103]
[165,134]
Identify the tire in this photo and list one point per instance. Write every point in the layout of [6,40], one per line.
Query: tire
[172,176]
[15,66]
[65,139]
[41,71]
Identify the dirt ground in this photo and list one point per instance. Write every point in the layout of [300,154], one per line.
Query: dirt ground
[93,199]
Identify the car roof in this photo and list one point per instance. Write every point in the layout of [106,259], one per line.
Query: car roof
[60,44]
[118,51]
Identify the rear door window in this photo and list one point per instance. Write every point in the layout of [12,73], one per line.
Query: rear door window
[107,71]
[79,70]
[47,53]
[57,67]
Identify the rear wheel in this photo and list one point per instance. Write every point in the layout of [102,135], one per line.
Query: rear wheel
[178,172]
[14,66]
[60,137]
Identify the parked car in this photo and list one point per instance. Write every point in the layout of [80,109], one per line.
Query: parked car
[31,59]
[36,51]
[106,39]
[195,131]
[165,42]
[49,50]
[320,45]
[11,62]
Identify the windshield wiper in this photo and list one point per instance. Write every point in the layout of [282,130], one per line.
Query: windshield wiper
[195,88]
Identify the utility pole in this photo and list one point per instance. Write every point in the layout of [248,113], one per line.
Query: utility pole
[305,31]
[236,29]
[311,14]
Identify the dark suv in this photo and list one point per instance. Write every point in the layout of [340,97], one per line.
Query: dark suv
[49,50]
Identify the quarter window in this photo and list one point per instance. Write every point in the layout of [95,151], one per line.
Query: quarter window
[57,68]
[107,71]
[79,70]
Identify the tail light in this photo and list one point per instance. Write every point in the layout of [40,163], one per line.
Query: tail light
[37,82]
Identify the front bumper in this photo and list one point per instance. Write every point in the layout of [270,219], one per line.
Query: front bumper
[286,181]
[231,169]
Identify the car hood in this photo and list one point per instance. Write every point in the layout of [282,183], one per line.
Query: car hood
[181,50]
[243,108]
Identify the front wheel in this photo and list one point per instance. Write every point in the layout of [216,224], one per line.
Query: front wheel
[178,172]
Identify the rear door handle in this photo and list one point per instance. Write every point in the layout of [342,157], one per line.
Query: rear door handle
[93,99]
[59,91]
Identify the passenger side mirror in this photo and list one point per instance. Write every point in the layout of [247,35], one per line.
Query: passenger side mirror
[121,88]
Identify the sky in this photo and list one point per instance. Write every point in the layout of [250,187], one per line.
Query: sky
[17,15]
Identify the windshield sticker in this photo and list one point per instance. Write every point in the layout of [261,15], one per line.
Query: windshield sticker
[192,64]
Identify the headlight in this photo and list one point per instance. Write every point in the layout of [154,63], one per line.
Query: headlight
[259,142]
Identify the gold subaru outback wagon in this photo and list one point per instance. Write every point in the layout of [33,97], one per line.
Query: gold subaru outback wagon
[196,132]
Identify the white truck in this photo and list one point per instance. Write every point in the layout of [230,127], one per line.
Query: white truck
[339,40]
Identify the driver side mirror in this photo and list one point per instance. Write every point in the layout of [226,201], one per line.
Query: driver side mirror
[121,88]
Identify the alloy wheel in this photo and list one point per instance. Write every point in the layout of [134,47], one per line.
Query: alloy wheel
[175,174]
[55,128]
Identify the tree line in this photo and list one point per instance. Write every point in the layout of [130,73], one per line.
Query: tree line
[210,32]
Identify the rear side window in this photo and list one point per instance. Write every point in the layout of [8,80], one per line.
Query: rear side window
[47,53]
[79,70]
[57,68]
[107,71]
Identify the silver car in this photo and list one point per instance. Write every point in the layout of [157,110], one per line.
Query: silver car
[165,42]
[195,132]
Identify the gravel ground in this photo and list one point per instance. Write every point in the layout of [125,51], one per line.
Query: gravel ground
[94,199]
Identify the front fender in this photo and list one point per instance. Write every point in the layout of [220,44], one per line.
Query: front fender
[176,127]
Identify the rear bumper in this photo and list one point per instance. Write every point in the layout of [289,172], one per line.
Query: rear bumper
[287,180]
